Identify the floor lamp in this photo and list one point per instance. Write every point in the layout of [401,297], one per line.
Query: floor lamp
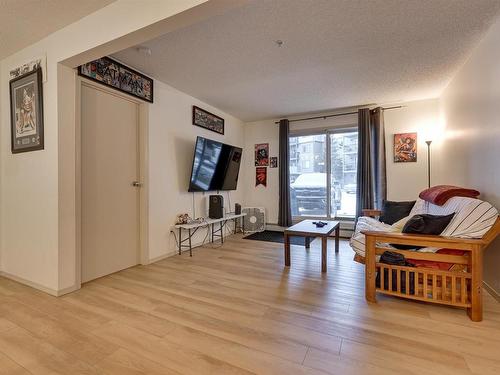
[428,163]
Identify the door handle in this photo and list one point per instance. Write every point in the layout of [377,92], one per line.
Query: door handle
[137,184]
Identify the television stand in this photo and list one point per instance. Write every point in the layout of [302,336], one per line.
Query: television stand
[184,241]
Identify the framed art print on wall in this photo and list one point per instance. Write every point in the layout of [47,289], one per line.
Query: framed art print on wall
[273,162]
[208,120]
[118,76]
[26,112]
[262,154]
[34,64]
[405,147]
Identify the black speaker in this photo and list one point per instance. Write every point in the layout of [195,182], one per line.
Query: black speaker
[237,208]
[216,207]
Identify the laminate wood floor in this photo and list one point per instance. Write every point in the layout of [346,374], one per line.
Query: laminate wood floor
[234,309]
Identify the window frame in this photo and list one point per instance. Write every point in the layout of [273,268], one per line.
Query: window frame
[327,132]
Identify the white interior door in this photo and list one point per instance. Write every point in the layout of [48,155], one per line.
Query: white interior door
[110,165]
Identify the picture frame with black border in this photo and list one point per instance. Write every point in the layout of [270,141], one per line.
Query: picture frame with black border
[208,120]
[26,112]
[118,76]
[273,162]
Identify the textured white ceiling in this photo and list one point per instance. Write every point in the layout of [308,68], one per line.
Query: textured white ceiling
[335,53]
[24,22]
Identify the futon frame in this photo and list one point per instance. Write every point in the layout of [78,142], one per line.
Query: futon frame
[455,288]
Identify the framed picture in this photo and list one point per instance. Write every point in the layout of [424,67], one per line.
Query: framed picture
[118,76]
[207,120]
[26,112]
[261,176]
[405,147]
[40,62]
[273,162]
[262,154]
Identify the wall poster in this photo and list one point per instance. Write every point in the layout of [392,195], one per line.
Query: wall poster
[26,111]
[273,163]
[405,147]
[262,154]
[118,76]
[207,120]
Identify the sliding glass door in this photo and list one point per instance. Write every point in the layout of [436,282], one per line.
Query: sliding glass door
[308,177]
[323,174]
[343,167]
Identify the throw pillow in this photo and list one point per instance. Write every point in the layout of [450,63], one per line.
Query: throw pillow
[399,225]
[394,211]
[439,194]
[425,224]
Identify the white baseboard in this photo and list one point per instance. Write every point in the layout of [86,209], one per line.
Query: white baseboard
[274,227]
[161,257]
[69,289]
[32,284]
[491,291]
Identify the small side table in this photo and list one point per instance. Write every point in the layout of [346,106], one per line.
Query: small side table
[307,229]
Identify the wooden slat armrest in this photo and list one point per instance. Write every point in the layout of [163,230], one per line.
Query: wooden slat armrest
[425,240]
[371,212]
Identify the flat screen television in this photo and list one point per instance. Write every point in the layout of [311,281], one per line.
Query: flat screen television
[216,166]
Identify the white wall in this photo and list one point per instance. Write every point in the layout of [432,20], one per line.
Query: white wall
[471,146]
[404,180]
[171,147]
[30,219]
[260,196]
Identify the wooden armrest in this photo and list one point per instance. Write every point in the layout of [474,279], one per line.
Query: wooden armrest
[425,240]
[371,212]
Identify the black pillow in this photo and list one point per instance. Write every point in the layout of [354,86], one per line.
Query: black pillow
[395,211]
[425,224]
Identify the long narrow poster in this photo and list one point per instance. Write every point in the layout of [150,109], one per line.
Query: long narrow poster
[261,176]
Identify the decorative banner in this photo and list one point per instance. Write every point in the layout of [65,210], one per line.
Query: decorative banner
[261,176]
[405,147]
[262,154]
[118,76]
[274,162]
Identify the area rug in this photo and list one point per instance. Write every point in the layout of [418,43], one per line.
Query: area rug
[275,236]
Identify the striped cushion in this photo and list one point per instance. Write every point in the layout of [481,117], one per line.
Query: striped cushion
[473,217]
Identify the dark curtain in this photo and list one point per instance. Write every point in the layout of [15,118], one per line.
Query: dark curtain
[285,211]
[371,180]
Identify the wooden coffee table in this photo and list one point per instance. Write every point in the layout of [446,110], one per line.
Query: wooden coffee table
[309,230]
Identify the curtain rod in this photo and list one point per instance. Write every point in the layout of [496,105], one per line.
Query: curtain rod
[335,115]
